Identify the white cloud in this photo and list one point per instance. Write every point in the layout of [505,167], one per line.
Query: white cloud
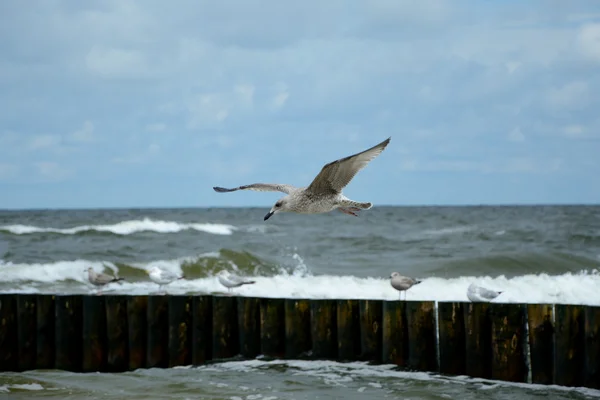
[156,127]
[281,96]
[8,171]
[143,156]
[516,135]
[45,142]
[589,41]
[245,94]
[117,63]
[85,134]
[52,171]
[574,130]
[571,95]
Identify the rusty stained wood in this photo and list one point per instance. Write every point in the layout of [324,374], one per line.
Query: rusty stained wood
[371,321]
[45,331]
[68,332]
[298,340]
[226,343]
[272,327]
[422,342]
[9,357]
[348,330]
[180,330]
[117,333]
[452,338]
[94,333]
[508,336]
[591,378]
[202,320]
[157,351]
[569,345]
[394,333]
[323,315]
[249,326]
[137,326]
[478,343]
[541,343]
[26,331]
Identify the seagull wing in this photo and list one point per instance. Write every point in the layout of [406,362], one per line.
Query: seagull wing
[260,187]
[337,174]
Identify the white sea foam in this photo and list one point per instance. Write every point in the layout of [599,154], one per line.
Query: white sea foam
[127,228]
[568,288]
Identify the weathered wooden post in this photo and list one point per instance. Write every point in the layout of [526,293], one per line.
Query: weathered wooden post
[45,331]
[371,323]
[592,347]
[394,333]
[9,356]
[202,340]
[508,335]
[117,356]
[323,315]
[272,327]
[26,331]
[137,326]
[478,345]
[180,330]
[157,355]
[569,345]
[93,347]
[422,342]
[248,309]
[452,338]
[226,343]
[68,333]
[298,341]
[541,343]
[348,330]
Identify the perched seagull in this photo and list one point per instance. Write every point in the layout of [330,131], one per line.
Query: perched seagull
[161,277]
[230,281]
[478,294]
[324,194]
[100,279]
[402,283]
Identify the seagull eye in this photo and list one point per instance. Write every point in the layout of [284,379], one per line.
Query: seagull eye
[277,204]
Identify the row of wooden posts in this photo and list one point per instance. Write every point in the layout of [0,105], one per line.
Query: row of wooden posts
[538,343]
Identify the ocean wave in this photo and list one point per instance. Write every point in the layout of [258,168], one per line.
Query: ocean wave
[125,228]
[272,281]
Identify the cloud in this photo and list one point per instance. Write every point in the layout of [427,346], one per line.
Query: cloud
[85,134]
[52,171]
[45,142]
[143,156]
[516,135]
[589,41]
[8,171]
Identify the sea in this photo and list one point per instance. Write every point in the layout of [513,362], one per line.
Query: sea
[533,254]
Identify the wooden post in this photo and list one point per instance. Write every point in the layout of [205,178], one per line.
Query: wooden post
[348,330]
[592,347]
[541,343]
[202,329]
[180,330]
[324,329]
[9,357]
[94,333]
[478,345]
[45,331]
[68,333]
[395,333]
[508,335]
[272,327]
[422,342]
[117,357]
[298,341]
[157,355]
[26,328]
[569,345]
[452,338]
[226,343]
[370,330]
[249,326]
[137,326]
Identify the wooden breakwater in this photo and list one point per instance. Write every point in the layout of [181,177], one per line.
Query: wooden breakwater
[538,343]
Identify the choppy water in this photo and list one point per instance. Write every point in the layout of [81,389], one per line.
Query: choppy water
[534,254]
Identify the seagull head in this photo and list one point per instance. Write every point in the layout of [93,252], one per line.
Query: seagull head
[281,205]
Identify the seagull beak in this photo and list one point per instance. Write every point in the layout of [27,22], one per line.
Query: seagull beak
[269,215]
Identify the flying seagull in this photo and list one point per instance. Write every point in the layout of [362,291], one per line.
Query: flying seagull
[324,194]
[402,283]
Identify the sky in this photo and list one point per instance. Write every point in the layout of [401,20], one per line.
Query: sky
[121,103]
